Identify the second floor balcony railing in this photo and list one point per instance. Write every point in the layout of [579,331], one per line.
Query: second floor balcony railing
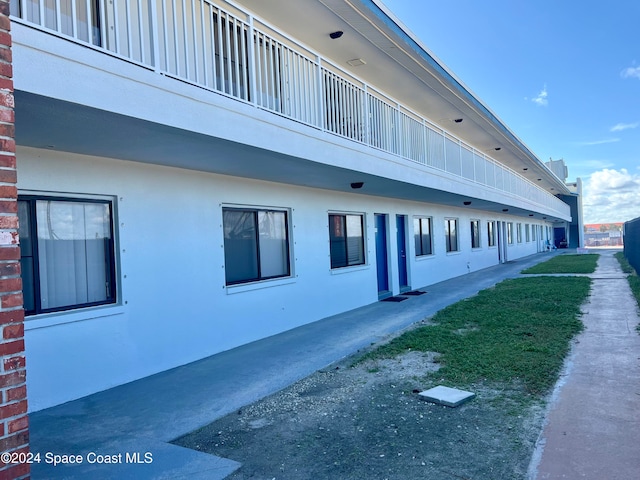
[231,52]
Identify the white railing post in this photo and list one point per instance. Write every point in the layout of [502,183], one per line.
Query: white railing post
[251,54]
[322,95]
[153,28]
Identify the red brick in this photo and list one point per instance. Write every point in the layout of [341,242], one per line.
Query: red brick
[7,115]
[16,440]
[12,410]
[6,84]
[9,252]
[6,70]
[11,316]
[14,363]
[13,378]
[5,39]
[13,331]
[7,130]
[16,472]
[8,221]
[6,98]
[5,54]
[11,300]
[18,393]
[18,424]
[11,348]
[1,426]
[8,206]
[9,268]
[7,144]
[7,160]
[10,285]
[5,24]
[7,175]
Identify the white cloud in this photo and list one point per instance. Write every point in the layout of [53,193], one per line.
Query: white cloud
[611,195]
[541,99]
[623,126]
[630,72]
[597,142]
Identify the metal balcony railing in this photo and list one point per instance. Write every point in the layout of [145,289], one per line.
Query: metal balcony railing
[228,51]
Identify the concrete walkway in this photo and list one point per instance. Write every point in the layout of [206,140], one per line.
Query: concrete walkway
[592,429]
[143,416]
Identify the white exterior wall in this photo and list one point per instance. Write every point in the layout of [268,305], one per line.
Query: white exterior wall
[173,306]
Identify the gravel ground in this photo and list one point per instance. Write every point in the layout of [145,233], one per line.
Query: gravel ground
[367,422]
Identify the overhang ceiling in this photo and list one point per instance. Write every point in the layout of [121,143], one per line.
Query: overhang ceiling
[398,65]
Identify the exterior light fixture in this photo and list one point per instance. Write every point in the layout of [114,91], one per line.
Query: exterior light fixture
[335,35]
[497,149]
[467,202]
[539,179]
[505,209]
[357,185]
[531,214]
[356,62]
[458,120]
[525,169]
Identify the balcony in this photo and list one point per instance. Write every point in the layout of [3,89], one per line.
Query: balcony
[232,53]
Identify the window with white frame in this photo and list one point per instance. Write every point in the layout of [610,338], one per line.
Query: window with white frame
[491,234]
[256,244]
[475,233]
[451,234]
[66,253]
[510,233]
[519,232]
[527,233]
[346,239]
[422,236]
[533,232]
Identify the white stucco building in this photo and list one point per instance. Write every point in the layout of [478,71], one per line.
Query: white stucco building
[195,175]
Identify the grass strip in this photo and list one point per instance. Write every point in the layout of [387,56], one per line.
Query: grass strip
[584,263]
[518,331]
[632,278]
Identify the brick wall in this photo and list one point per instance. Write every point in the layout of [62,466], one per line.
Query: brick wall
[14,423]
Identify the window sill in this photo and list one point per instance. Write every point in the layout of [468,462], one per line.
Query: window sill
[422,258]
[45,320]
[247,287]
[355,268]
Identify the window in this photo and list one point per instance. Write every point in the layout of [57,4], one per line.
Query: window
[422,236]
[256,244]
[491,234]
[67,253]
[519,232]
[475,233]
[510,233]
[451,234]
[346,240]
[527,232]
[533,232]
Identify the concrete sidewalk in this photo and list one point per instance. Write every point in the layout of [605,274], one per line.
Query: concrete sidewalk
[592,429]
[142,416]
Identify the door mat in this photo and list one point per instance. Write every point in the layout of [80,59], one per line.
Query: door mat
[414,293]
[394,299]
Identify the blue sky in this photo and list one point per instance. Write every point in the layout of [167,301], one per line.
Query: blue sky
[563,76]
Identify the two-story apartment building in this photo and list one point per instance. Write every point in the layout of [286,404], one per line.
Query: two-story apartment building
[194,175]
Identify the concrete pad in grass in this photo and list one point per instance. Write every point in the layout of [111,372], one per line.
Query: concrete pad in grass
[451,397]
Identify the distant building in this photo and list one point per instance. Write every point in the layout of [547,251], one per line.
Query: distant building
[571,233]
[603,234]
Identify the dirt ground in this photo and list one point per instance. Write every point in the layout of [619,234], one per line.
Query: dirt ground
[367,422]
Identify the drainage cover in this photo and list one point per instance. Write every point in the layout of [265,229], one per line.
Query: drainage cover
[451,397]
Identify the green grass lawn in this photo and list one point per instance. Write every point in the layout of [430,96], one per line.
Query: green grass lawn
[516,333]
[633,278]
[585,263]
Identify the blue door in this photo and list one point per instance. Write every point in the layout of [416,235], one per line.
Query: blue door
[402,252]
[381,255]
